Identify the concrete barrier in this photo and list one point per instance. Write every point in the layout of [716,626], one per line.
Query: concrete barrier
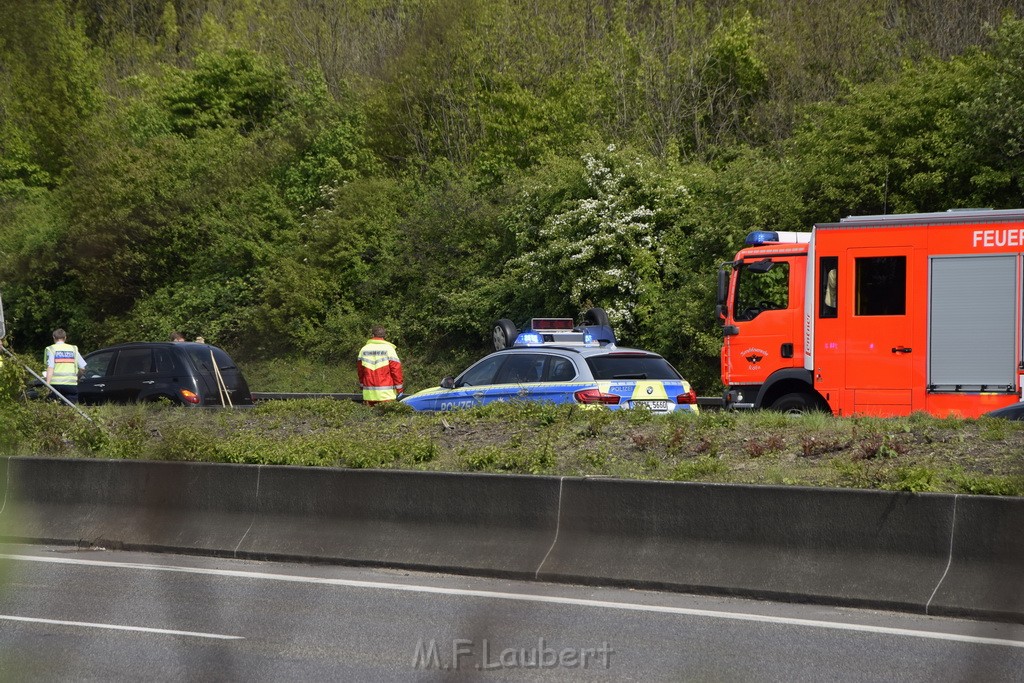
[500,526]
[986,564]
[189,507]
[937,554]
[497,526]
[838,546]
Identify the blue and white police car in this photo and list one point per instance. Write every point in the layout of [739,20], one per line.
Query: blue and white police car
[552,360]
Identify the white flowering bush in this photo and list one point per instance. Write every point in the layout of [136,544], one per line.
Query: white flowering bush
[596,245]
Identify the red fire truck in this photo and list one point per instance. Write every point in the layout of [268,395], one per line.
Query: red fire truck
[877,315]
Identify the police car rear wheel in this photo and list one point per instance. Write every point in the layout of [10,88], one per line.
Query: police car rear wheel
[504,334]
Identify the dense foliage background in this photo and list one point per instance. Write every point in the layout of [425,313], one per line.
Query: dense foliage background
[276,175]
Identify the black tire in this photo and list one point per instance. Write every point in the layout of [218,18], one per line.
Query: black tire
[504,334]
[797,403]
[596,316]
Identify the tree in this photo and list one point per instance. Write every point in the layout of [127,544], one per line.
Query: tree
[237,89]
[900,146]
[993,120]
[49,82]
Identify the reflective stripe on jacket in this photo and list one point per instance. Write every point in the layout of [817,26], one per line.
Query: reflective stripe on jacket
[65,361]
[380,371]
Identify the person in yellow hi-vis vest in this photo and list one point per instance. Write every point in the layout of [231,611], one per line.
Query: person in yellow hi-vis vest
[63,363]
[380,370]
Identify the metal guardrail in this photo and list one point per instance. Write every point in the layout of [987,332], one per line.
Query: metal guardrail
[257,396]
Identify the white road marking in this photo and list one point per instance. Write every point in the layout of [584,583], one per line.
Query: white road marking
[497,595]
[120,627]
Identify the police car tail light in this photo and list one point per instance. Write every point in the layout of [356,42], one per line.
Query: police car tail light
[189,396]
[690,397]
[596,396]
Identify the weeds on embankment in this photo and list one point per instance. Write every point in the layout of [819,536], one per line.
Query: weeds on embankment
[916,453]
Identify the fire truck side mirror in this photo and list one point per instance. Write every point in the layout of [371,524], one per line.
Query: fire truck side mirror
[723,288]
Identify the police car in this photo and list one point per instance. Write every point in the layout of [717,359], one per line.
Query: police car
[552,360]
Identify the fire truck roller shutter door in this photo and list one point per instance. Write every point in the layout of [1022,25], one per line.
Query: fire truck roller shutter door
[972,323]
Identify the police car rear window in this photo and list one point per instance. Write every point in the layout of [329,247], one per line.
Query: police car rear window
[631,367]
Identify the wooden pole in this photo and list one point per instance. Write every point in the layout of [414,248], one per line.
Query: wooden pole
[222,388]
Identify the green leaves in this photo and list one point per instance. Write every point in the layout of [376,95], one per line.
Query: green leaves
[49,87]
[894,147]
[235,89]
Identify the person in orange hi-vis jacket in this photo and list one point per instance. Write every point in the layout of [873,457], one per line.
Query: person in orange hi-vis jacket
[379,368]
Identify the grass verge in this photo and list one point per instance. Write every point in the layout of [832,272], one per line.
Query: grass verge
[918,453]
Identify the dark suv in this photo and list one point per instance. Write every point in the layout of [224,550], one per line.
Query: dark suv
[184,373]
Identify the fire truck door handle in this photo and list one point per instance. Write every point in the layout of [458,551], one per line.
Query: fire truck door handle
[901,349]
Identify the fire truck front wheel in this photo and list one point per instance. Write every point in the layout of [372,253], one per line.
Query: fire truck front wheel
[796,403]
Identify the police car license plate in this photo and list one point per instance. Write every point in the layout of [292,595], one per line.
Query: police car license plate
[657,406]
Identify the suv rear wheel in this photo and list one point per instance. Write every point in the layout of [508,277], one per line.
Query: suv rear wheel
[596,316]
[504,334]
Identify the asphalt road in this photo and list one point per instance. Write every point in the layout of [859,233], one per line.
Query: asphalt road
[69,614]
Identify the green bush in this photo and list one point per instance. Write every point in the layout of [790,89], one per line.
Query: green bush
[988,485]
[12,379]
[916,479]
[695,470]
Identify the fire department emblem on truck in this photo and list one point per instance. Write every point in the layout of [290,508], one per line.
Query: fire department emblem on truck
[754,356]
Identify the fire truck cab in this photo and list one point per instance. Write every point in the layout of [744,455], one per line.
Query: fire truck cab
[877,315]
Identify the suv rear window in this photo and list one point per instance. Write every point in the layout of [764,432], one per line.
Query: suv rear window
[628,366]
[201,359]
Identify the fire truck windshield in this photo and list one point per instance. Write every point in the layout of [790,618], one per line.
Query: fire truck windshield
[759,289]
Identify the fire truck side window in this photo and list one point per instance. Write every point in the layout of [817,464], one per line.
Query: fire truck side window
[881,285]
[760,290]
[828,287]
